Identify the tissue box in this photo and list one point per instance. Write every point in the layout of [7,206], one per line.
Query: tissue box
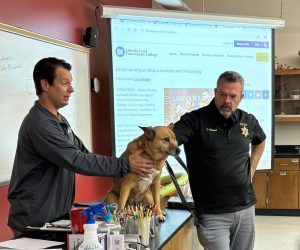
[115,242]
[75,240]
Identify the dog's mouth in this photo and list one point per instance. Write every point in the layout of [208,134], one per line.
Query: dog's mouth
[174,152]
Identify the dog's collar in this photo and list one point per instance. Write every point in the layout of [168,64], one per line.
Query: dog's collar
[150,157]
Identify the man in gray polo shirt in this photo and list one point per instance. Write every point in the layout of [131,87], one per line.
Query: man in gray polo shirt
[48,155]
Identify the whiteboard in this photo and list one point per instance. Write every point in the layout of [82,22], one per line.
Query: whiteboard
[20,50]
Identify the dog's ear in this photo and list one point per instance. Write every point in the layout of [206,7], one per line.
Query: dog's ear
[149,133]
[143,128]
[170,126]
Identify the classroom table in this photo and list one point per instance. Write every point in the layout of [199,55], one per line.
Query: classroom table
[176,232]
[176,221]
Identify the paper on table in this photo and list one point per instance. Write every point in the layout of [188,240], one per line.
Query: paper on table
[29,243]
[61,225]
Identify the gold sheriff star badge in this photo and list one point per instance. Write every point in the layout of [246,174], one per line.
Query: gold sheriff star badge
[244,131]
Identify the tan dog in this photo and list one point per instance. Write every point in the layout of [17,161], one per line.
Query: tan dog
[157,143]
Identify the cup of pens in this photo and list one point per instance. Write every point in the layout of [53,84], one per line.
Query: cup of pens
[136,219]
[154,226]
[140,226]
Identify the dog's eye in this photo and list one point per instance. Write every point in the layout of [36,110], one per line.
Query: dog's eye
[166,139]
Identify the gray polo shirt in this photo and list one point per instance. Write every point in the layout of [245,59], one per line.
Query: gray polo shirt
[48,155]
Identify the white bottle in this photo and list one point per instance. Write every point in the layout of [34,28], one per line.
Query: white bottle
[90,238]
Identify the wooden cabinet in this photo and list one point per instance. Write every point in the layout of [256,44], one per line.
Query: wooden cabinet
[299,190]
[283,189]
[259,183]
[286,164]
[186,238]
[279,188]
[287,95]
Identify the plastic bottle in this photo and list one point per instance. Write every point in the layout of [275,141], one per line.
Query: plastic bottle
[109,217]
[90,238]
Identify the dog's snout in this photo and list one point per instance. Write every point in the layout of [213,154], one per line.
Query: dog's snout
[174,151]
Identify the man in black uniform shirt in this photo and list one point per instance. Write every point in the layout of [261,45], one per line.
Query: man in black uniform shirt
[216,140]
[42,186]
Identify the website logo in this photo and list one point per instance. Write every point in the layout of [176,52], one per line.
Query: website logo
[120,51]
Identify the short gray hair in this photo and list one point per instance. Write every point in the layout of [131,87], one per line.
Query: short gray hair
[231,76]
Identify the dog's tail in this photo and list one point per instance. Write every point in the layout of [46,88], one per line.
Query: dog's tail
[164,201]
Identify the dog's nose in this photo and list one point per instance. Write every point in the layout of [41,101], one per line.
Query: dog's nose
[178,151]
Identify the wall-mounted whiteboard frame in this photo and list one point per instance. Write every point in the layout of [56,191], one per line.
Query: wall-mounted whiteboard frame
[253,21]
[20,50]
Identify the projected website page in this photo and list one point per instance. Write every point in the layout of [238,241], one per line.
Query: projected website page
[163,68]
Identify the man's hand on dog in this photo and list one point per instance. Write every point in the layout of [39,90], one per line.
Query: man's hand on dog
[140,165]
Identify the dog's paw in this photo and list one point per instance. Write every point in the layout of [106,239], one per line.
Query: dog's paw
[161,217]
